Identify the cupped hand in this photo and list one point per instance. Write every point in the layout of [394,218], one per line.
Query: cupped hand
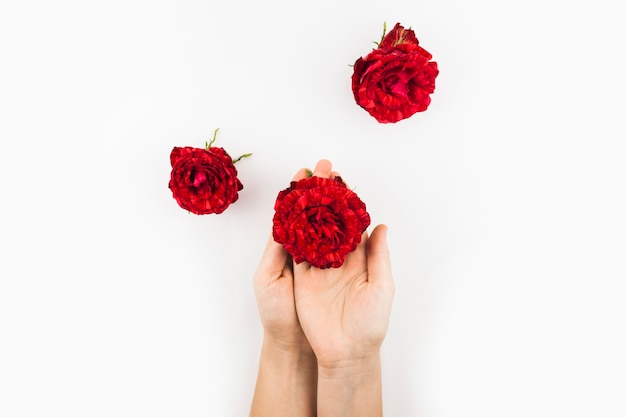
[344,312]
[274,291]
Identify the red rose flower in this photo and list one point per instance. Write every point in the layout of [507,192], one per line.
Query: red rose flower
[319,220]
[204,181]
[395,81]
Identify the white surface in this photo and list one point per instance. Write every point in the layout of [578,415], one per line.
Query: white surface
[505,200]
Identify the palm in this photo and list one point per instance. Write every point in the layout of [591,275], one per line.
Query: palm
[274,290]
[343,312]
[273,286]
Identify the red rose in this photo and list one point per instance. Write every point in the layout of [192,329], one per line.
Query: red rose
[319,220]
[395,81]
[203,181]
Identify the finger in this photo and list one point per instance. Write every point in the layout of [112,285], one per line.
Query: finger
[303,173]
[378,259]
[323,168]
[335,174]
[272,264]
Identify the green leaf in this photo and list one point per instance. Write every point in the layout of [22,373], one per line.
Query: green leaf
[245,155]
[208,145]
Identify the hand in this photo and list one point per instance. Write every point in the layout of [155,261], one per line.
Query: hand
[344,312]
[287,379]
[274,290]
[339,314]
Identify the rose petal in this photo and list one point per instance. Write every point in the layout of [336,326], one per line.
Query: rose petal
[319,220]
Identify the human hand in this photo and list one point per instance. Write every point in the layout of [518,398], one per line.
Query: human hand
[340,315]
[344,312]
[287,378]
[274,291]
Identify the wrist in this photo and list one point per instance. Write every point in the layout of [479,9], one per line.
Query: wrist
[353,368]
[289,353]
[288,344]
[350,388]
[286,382]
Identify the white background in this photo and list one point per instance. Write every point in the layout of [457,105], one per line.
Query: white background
[505,200]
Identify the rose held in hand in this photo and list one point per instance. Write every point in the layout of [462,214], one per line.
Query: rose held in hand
[395,80]
[204,181]
[319,220]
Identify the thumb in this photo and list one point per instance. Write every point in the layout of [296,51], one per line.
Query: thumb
[272,263]
[378,258]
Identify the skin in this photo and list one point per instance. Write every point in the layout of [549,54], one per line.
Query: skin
[323,329]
